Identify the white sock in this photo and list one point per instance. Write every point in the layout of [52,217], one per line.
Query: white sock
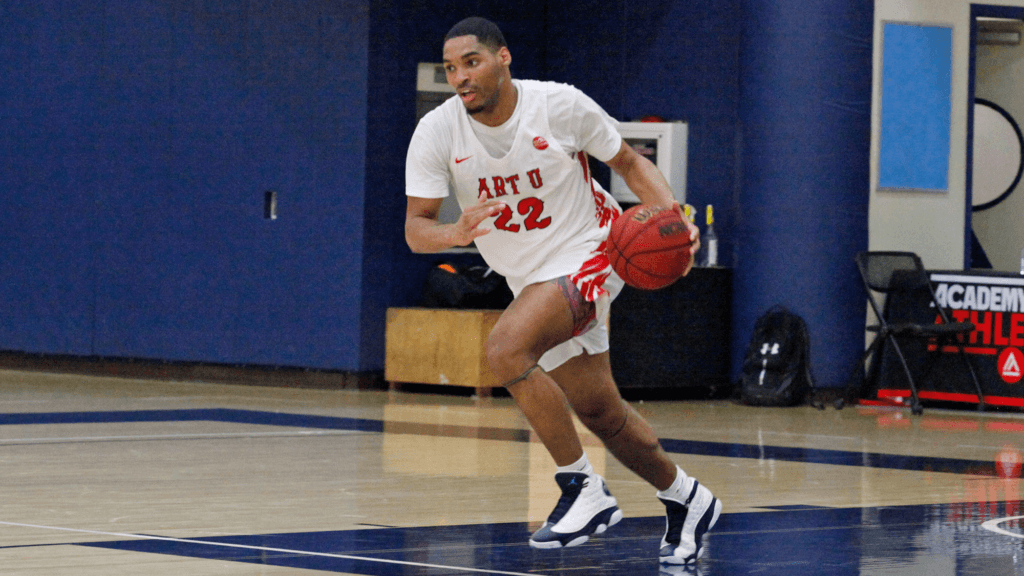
[581,465]
[680,488]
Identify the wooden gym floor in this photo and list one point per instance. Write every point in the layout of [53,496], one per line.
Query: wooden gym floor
[118,476]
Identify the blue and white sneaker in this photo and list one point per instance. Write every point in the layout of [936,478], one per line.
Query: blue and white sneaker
[585,508]
[686,523]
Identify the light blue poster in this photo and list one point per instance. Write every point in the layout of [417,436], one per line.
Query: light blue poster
[917,64]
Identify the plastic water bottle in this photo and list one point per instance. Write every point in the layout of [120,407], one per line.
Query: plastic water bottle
[711,241]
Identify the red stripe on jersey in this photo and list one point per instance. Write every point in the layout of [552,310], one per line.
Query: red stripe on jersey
[604,212]
[582,157]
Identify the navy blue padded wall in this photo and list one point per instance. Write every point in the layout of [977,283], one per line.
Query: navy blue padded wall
[249,97]
[806,116]
[48,181]
[192,112]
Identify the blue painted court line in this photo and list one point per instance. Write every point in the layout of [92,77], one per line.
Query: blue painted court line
[693,447]
[835,457]
[800,542]
[209,414]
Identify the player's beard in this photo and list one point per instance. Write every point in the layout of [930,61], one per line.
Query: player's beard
[485,106]
[490,103]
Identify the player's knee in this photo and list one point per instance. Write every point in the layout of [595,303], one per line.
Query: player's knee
[506,359]
[496,351]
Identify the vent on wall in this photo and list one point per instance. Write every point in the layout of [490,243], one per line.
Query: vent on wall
[999,31]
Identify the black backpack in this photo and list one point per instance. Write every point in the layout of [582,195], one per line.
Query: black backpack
[776,367]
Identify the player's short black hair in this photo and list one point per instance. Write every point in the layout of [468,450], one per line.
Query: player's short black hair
[486,32]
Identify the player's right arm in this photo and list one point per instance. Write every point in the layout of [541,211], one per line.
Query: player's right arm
[425,234]
[426,185]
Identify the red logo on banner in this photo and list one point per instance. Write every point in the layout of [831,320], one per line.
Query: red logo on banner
[1009,365]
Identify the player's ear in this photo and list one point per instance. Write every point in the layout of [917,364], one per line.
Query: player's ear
[505,56]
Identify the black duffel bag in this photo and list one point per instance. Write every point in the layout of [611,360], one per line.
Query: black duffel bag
[451,286]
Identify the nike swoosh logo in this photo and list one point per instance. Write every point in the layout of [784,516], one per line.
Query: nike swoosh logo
[458,160]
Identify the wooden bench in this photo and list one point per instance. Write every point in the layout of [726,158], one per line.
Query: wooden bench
[439,346]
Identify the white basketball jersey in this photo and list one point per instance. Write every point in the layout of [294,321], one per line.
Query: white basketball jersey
[556,215]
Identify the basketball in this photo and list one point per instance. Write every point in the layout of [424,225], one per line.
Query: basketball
[649,247]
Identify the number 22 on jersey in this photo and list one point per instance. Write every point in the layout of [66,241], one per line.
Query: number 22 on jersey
[532,208]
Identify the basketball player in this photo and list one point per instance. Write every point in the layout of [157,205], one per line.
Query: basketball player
[515,153]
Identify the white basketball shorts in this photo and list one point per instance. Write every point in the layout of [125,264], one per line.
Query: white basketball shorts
[597,283]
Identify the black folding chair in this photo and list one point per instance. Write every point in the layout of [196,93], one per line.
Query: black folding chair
[902,275]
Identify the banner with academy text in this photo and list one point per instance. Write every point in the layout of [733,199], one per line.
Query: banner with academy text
[994,303]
